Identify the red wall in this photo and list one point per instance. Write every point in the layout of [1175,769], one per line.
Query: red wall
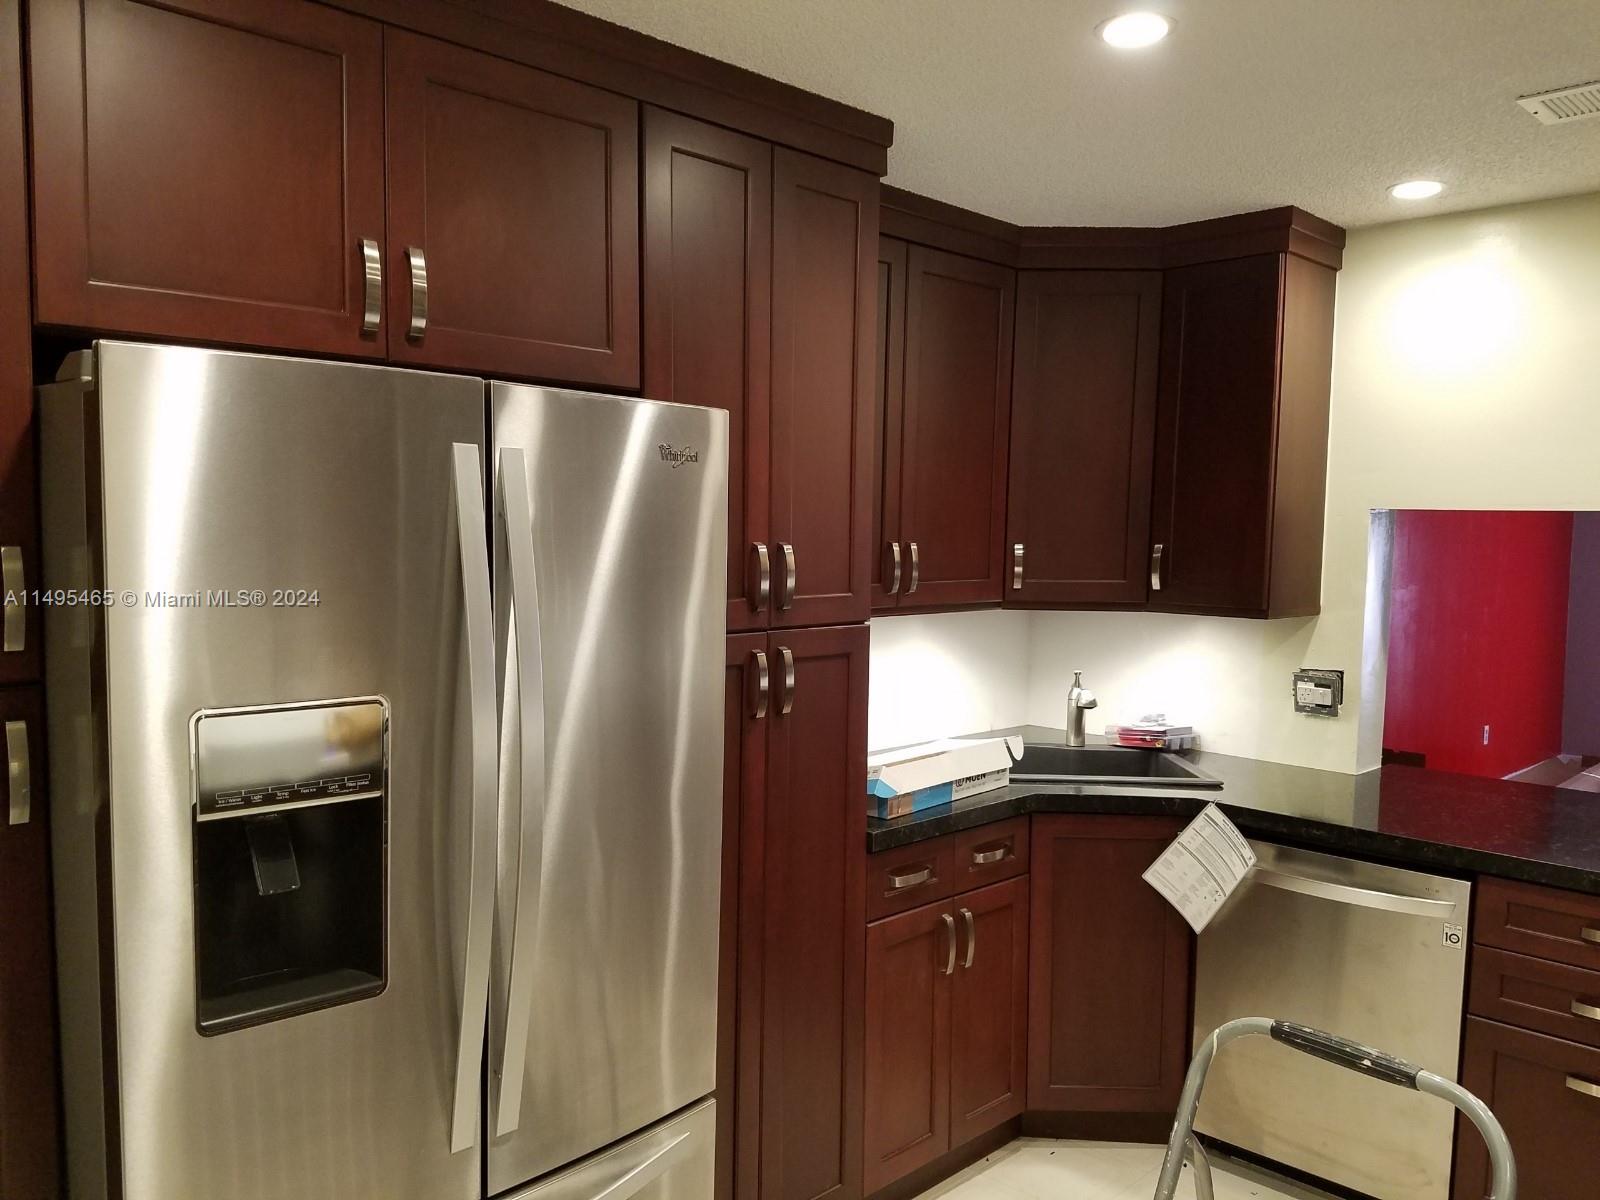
[1478,636]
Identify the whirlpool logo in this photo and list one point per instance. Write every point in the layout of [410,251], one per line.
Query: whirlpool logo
[678,456]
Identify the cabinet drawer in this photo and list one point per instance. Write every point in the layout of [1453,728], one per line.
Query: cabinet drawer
[989,853]
[913,875]
[1543,922]
[1549,997]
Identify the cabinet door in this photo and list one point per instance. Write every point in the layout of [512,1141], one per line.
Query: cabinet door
[1216,430]
[1082,437]
[19,652]
[825,232]
[208,170]
[707,312]
[959,314]
[1546,1093]
[521,190]
[989,1010]
[888,555]
[814,848]
[1108,1012]
[909,963]
[28,1086]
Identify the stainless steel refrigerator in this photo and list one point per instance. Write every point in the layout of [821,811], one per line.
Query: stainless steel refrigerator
[385,736]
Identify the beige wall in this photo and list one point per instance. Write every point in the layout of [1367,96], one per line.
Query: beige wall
[1466,375]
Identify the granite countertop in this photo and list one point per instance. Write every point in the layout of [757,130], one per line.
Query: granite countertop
[1405,815]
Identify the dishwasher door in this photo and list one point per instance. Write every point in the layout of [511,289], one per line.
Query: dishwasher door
[1376,954]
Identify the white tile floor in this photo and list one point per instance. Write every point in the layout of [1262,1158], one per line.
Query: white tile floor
[1040,1169]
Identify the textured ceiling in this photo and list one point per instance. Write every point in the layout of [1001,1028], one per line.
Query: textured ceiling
[1016,109]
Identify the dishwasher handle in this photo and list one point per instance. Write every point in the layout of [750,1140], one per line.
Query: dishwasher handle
[1344,893]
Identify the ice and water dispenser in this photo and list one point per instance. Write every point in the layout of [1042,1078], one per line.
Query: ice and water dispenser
[290,884]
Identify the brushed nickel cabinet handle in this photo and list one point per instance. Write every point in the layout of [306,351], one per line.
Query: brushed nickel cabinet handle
[786,596]
[372,270]
[1156,554]
[12,581]
[763,566]
[911,879]
[786,705]
[972,937]
[916,568]
[1590,1011]
[1017,552]
[1590,935]
[418,262]
[894,567]
[982,858]
[19,772]
[763,684]
[1583,1086]
[950,933]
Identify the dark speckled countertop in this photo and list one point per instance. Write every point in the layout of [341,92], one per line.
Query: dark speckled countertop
[1428,819]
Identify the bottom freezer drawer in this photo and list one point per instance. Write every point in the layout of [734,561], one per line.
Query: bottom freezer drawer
[675,1160]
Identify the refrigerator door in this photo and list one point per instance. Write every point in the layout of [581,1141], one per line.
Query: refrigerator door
[610,557]
[675,1160]
[340,507]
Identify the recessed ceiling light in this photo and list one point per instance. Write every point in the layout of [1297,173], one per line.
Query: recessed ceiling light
[1135,30]
[1416,189]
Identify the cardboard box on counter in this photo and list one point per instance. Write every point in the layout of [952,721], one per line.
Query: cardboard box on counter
[913,778]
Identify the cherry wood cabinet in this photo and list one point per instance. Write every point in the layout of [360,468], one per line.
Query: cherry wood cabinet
[989,1010]
[1082,438]
[708,312]
[943,411]
[1109,968]
[825,231]
[513,206]
[208,169]
[29,1151]
[1242,437]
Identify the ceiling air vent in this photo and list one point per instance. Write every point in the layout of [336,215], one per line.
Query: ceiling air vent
[1564,104]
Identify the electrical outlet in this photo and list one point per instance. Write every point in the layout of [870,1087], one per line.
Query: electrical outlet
[1318,692]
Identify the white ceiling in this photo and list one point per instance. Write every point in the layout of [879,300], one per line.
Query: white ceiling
[1015,108]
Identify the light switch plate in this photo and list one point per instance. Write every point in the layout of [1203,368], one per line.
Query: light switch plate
[1318,692]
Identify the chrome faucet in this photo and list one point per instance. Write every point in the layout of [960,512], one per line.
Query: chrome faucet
[1079,699]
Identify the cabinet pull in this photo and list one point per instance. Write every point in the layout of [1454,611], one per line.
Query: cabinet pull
[19,772]
[16,618]
[982,858]
[916,569]
[786,705]
[1017,552]
[1590,935]
[1155,566]
[972,937]
[894,568]
[1582,1086]
[763,679]
[763,565]
[786,596]
[911,879]
[372,270]
[950,934]
[418,263]
[1590,1011]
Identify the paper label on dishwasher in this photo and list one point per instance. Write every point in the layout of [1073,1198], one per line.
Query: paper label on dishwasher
[1205,864]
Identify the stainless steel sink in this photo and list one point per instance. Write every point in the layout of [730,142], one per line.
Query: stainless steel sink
[1108,764]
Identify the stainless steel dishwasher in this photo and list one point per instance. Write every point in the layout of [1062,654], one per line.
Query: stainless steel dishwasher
[1377,953]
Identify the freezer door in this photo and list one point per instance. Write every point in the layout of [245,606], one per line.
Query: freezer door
[676,1160]
[610,520]
[323,500]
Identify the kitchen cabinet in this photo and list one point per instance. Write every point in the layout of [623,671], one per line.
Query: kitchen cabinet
[943,413]
[1082,438]
[513,218]
[29,1152]
[797,724]
[209,170]
[1242,437]
[708,312]
[989,1010]
[1109,968]
[825,232]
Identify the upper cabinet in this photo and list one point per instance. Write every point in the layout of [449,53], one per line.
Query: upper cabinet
[513,218]
[1082,437]
[209,170]
[1242,437]
[944,401]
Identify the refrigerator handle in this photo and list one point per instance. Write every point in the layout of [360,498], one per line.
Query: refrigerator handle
[479,663]
[515,511]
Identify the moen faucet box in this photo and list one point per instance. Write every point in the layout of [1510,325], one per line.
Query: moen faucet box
[913,778]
